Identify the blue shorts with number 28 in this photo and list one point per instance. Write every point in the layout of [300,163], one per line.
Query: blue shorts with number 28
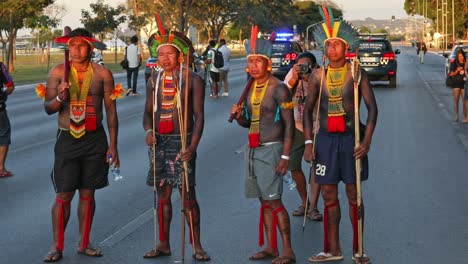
[334,161]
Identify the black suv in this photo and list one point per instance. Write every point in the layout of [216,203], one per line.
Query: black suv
[284,57]
[377,57]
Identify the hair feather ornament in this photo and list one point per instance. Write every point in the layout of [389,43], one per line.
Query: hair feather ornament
[259,47]
[173,38]
[332,28]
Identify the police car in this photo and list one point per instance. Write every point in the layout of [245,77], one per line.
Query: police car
[377,57]
[284,54]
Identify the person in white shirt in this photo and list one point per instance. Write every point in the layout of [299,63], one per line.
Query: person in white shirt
[134,62]
[223,72]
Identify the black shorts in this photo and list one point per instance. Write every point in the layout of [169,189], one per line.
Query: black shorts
[5,129]
[334,161]
[80,163]
[214,76]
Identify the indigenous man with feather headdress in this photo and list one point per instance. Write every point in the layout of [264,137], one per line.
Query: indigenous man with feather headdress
[333,88]
[268,113]
[166,94]
[78,95]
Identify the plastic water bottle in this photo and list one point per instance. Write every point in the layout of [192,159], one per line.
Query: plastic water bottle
[114,171]
[289,181]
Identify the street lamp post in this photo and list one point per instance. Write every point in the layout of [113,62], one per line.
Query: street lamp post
[307,35]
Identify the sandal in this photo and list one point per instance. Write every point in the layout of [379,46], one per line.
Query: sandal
[53,256]
[5,174]
[156,253]
[284,260]
[299,211]
[201,256]
[90,251]
[361,260]
[315,215]
[324,257]
[263,255]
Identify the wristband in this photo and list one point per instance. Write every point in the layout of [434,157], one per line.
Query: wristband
[309,141]
[149,131]
[285,157]
[58,99]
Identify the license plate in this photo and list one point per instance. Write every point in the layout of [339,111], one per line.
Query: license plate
[368,59]
[276,60]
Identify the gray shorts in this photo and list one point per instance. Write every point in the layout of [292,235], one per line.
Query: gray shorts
[5,129]
[261,179]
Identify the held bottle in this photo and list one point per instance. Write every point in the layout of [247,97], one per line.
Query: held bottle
[114,171]
[289,181]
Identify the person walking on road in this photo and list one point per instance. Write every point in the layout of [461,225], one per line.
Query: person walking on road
[134,62]
[6,88]
[162,123]
[422,49]
[268,113]
[332,88]
[457,73]
[223,72]
[82,151]
[297,81]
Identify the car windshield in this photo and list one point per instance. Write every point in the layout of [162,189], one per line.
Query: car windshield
[282,47]
[373,46]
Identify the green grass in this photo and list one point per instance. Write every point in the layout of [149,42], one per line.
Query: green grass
[33,69]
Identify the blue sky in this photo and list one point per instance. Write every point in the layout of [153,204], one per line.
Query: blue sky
[353,9]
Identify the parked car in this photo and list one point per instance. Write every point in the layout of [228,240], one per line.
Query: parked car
[378,58]
[450,57]
[283,57]
[151,65]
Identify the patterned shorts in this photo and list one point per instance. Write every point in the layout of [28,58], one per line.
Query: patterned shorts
[169,171]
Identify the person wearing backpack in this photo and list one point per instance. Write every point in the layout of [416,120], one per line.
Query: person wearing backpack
[213,70]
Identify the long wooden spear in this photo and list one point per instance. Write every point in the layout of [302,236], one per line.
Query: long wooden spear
[314,140]
[356,71]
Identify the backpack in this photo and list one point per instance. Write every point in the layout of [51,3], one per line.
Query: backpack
[218,60]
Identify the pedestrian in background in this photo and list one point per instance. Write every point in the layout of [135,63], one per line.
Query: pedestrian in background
[422,49]
[134,62]
[457,73]
[214,72]
[6,88]
[223,72]
[297,82]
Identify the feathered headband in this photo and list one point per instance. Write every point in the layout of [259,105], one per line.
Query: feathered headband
[259,47]
[334,29]
[173,38]
[83,34]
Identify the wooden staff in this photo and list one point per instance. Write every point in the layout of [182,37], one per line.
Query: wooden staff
[183,124]
[155,210]
[243,96]
[313,141]
[356,71]
[66,59]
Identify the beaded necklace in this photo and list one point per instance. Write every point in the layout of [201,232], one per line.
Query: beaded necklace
[336,112]
[256,99]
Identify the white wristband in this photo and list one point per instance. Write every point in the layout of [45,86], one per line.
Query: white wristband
[309,141]
[58,99]
[285,157]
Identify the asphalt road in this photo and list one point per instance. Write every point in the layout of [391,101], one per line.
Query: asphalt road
[415,198]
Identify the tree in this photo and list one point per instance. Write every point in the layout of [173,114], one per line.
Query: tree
[13,16]
[106,19]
